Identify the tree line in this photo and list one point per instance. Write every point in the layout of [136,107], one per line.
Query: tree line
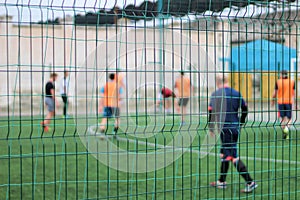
[148,10]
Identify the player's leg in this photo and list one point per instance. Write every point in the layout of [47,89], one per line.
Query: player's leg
[239,165]
[285,114]
[51,112]
[158,105]
[289,110]
[117,124]
[225,158]
[178,105]
[65,101]
[287,120]
[243,171]
[47,121]
[180,109]
[183,113]
[163,101]
[117,119]
[168,105]
[282,114]
[182,104]
[221,182]
[287,129]
[184,109]
[103,124]
[49,117]
[224,168]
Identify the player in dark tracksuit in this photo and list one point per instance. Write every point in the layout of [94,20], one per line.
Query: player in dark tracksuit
[224,113]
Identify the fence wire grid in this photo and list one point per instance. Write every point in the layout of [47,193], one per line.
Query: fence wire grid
[138,99]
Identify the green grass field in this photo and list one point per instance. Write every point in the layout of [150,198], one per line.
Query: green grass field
[56,165]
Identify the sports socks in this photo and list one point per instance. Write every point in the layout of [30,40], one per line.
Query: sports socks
[224,170]
[242,169]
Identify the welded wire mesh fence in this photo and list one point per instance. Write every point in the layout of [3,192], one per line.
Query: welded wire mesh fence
[136,100]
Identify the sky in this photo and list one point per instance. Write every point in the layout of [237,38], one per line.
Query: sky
[37,10]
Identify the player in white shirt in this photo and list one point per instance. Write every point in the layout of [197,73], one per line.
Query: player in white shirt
[64,91]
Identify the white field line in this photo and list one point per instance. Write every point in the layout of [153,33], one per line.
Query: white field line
[211,153]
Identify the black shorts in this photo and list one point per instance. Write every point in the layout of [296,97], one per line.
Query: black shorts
[183,101]
[229,138]
[109,112]
[285,110]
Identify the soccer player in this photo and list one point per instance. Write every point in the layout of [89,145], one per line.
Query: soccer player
[64,92]
[284,91]
[183,92]
[109,103]
[50,101]
[165,98]
[223,109]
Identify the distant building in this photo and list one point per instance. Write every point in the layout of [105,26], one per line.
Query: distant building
[90,51]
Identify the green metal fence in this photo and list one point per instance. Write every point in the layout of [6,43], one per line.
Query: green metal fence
[135,99]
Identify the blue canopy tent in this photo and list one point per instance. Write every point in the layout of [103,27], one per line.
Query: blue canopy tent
[261,55]
[261,60]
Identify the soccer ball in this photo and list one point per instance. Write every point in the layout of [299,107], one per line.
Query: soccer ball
[286,130]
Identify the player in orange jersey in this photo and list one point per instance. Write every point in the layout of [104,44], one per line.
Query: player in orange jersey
[183,90]
[110,102]
[284,92]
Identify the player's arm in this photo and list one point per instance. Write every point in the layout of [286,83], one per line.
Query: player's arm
[211,116]
[274,96]
[211,121]
[176,88]
[63,82]
[294,96]
[123,85]
[244,114]
[173,94]
[121,91]
[52,91]
[101,100]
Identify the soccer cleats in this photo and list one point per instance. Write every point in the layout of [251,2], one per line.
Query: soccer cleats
[222,185]
[250,187]
[218,184]
[286,133]
[45,127]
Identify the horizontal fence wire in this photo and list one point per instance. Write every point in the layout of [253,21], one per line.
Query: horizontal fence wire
[149,99]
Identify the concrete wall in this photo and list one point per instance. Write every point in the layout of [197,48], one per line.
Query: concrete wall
[30,53]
